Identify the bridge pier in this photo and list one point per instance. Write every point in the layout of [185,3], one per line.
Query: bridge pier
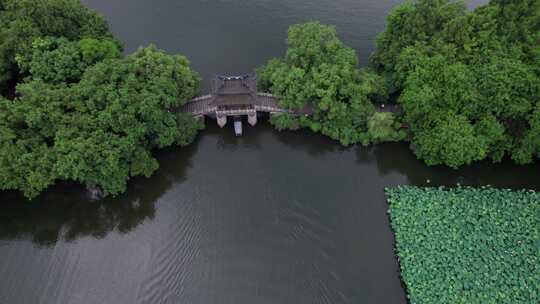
[238,125]
[222,120]
[252,118]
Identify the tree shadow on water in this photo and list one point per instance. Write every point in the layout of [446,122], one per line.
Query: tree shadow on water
[255,138]
[397,158]
[305,140]
[66,212]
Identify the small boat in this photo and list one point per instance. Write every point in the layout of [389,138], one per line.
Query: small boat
[238,126]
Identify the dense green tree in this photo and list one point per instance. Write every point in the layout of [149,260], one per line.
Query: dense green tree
[100,131]
[22,21]
[450,141]
[519,23]
[82,112]
[286,122]
[478,68]
[95,50]
[414,22]
[320,72]
[26,155]
[126,113]
[58,60]
[529,146]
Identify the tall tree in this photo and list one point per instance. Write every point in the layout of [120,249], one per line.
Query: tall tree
[22,21]
[319,71]
[58,60]
[478,68]
[100,131]
[414,22]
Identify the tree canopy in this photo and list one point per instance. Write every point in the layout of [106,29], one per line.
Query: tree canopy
[22,21]
[478,68]
[100,131]
[81,111]
[320,72]
[58,60]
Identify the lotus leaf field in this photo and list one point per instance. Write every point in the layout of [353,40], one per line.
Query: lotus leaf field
[467,245]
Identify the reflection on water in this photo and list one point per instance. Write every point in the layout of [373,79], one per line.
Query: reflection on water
[397,158]
[65,217]
[66,212]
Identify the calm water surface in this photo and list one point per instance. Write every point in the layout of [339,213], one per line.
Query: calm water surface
[267,218]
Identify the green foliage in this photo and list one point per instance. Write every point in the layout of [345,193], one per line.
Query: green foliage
[508,88]
[100,131]
[493,133]
[374,86]
[383,127]
[26,158]
[519,24]
[477,68]
[95,50]
[82,112]
[320,71]
[53,60]
[530,145]
[450,141]
[414,22]
[23,21]
[58,60]
[467,245]
[285,122]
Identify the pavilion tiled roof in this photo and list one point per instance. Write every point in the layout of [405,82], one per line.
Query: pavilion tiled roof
[240,90]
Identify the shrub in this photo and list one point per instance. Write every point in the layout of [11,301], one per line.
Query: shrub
[382,127]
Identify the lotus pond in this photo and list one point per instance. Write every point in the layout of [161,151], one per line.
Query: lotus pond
[467,245]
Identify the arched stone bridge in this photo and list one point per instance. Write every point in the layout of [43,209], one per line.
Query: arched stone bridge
[236,97]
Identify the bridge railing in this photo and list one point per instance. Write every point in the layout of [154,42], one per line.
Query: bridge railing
[221,113]
[270,103]
[199,106]
[264,102]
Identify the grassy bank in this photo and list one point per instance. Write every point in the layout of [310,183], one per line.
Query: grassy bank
[467,245]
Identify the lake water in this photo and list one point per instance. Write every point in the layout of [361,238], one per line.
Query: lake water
[267,218]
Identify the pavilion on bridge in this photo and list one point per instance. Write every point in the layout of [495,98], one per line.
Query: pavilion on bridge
[236,96]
